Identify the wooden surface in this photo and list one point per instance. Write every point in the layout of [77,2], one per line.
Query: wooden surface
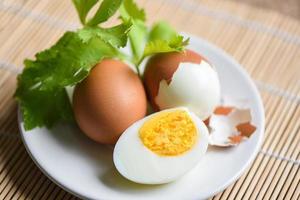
[265,42]
[286,7]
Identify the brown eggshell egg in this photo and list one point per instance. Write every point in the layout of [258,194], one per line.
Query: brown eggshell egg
[162,66]
[108,101]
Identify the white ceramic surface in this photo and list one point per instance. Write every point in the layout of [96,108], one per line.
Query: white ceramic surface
[85,168]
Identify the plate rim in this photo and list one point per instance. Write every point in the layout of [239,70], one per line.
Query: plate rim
[239,173]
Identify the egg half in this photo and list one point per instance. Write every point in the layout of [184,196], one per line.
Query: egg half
[161,147]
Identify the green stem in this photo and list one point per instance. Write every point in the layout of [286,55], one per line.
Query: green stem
[138,71]
[137,66]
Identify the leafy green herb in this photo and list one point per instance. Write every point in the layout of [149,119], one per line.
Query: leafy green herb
[130,10]
[41,89]
[138,39]
[162,31]
[83,7]
[163,46]
[116,36]
[138,33]
[105,11]
[163,38]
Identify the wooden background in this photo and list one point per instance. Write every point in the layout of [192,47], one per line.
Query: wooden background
[265,41]
[286,7]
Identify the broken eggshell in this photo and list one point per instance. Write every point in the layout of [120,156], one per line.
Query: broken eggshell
[230,124]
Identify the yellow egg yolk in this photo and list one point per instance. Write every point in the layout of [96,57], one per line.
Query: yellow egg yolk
[169,133]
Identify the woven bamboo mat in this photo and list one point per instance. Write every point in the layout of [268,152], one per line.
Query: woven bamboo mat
[266,43]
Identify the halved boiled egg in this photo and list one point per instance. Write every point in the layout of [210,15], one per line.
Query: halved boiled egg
[161,147]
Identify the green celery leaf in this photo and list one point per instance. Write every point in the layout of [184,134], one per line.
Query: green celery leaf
[138,38]
[138,33]
[163,38]
[83,7]
[162,31]
[116,36]
[41,87]
[130,10]
[162,46]
[44,108]
[107,9]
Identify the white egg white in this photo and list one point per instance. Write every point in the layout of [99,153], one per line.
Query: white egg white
[195,86]
[139,164]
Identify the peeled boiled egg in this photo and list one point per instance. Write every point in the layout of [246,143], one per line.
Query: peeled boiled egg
[108,101]
[182,79]
[161,147]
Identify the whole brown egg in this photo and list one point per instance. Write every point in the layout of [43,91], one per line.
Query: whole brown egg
[108,101]
[162,67]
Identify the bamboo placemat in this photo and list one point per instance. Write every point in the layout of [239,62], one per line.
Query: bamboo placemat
[266,43]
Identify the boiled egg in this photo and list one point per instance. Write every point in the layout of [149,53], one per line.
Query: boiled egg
[161,147]
[182,79]
[108,101]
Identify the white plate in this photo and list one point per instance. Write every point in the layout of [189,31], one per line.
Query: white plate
[85,168]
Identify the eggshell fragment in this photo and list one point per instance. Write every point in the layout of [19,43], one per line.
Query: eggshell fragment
[230,125]
[223,110]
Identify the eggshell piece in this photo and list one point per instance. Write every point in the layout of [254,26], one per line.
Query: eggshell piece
[230,125]
[108,101]
[235,139]
[223,110]
[246,129]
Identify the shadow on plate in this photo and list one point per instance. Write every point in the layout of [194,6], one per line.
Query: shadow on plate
[219,149]
[113,179]
[70,136]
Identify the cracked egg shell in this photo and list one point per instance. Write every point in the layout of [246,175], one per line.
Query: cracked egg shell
[231,123]
[182,79]
[108,101]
